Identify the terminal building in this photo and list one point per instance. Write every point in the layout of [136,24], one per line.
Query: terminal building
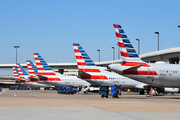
[171,55]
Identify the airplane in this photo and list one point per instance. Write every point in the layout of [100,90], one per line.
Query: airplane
[21,77]
[16,76]
[99,75]
[47,76]
[155,74]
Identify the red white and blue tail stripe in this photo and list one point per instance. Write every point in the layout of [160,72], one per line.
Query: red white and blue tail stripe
[32,69]
[21,71]
[85,64]
[81,56]
[44,69]
[16,75]
[127,51]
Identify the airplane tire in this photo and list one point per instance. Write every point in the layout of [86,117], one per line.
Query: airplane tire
[141,92]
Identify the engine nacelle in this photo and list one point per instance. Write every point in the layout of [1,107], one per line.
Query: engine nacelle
[171,90]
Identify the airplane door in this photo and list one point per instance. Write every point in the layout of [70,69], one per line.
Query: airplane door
[150,72]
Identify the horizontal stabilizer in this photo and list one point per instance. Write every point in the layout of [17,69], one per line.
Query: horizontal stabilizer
[83,74]
[32,78]
[41,77]
[20,79]
[135,67]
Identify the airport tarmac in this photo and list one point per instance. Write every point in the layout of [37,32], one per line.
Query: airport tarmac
[44,105]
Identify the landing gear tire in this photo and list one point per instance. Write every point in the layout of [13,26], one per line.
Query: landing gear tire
[141,92]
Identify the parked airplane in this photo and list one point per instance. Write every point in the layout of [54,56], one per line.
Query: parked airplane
[98,75]
[16,76]
[48,76]
[21,77]
[160,75]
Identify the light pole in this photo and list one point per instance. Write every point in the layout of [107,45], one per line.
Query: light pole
[158,39]
[16,51]
[113,53]
[138,46]
[99,55]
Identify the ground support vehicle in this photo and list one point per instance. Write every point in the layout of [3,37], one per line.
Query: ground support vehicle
[67,90]
[35,88]
[0,89]
[115,91]
[104,90]
[12,88]
[22,87]
[61,90]
[17,88]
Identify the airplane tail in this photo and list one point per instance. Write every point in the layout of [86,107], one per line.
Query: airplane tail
[85,65]
[21,71]
[16,75]
[32,70]
[127,51]
[44,71]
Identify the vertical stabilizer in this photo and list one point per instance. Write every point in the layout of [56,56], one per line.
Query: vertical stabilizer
[16,75]
[127,51]
[44,69]
[21,71]
[32,69]
[86,65]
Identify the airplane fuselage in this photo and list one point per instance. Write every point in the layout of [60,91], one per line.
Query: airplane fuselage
[112,78]
[65,80]
[161,75]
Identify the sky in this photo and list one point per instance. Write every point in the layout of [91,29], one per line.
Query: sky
[49,27]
